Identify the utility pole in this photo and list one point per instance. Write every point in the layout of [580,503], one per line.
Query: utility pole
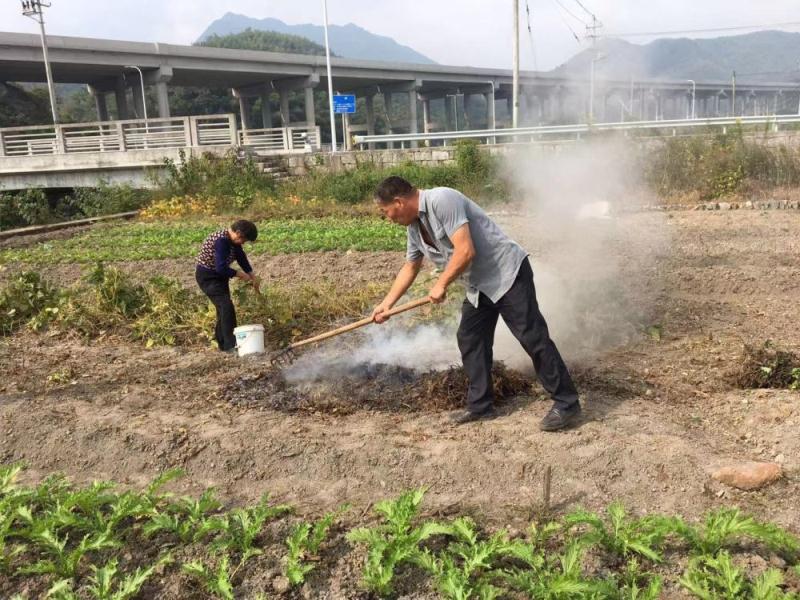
[515,84]
[592,33]
[33,9]
[330,79]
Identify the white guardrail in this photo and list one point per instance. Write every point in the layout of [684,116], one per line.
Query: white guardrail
[543,133]
[139,134]
[281,139]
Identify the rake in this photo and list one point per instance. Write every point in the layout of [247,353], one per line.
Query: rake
[286,356]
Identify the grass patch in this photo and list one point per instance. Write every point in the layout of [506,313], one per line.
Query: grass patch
[161,311]
[145,241]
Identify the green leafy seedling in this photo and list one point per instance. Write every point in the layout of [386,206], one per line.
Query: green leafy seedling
[219,582]
[304,543]
[394,542]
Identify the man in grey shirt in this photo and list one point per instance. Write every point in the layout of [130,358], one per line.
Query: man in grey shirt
[458,237]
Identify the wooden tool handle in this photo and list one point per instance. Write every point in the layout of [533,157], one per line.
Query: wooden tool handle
[365,321]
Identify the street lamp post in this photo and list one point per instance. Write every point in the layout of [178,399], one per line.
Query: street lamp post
[330,79]
[33,9]
[144,99]
[694,91]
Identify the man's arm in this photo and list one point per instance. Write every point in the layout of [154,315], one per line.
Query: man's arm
[463,253]
[408,273]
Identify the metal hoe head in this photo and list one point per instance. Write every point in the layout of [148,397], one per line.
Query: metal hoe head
[282,358]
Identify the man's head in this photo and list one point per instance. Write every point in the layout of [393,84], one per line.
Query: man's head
[243,231]
[398,200]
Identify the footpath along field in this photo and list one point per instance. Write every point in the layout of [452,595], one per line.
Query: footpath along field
[109,378]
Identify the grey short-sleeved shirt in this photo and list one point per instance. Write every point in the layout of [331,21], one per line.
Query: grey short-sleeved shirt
[497,257]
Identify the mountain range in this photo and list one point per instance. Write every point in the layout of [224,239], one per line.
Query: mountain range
[348,41]
[762,56]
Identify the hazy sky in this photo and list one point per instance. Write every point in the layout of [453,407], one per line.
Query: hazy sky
[458,32]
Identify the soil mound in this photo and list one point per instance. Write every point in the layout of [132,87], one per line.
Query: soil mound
[368,387]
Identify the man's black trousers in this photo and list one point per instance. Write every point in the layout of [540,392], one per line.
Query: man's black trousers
[520,311]
[218,291]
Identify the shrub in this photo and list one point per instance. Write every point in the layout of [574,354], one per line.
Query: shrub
[470,161]
[26,207]
[180,206]
[108,199]
[25,296]
[232,180]
[720,165]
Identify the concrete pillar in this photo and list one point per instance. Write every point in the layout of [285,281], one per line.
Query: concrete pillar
[642,105]
[266,112]
[559,100]
[285,117]
[604,106]
[426,114]
[121,96]
[451,108]
[490,114]
[369,101]
[413,123]
[138,107]
[659,106]
[387,104]
[163,99]
[468,124]
[244,112]
[100,105]
[311,119]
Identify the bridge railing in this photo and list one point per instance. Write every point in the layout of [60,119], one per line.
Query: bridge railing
[28,141]
[558,132]
[116,136]
[281,139]
[139,134]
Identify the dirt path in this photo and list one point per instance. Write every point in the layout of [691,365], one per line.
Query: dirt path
[660,413]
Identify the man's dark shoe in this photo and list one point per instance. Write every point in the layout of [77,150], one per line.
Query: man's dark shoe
[559,418]
[464,417]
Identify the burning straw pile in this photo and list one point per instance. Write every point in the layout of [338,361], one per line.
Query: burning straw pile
[369,387]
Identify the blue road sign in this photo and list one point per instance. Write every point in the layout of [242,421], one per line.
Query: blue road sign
[344,103]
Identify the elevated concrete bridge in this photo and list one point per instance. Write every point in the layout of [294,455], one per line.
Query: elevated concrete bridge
[123,149]
[101,64]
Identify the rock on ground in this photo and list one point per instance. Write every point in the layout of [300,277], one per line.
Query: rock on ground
[749,475]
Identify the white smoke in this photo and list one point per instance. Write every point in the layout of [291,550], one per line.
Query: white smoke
[593,253]
[399,342]
[593,259]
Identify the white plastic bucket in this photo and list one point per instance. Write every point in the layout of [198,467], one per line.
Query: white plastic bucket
[249,339]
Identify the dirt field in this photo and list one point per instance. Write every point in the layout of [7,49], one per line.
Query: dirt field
[659,414]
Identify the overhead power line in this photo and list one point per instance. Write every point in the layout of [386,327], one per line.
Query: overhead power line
[586,10]
[570,13]
[530,37]
[566,23]
[709,30]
